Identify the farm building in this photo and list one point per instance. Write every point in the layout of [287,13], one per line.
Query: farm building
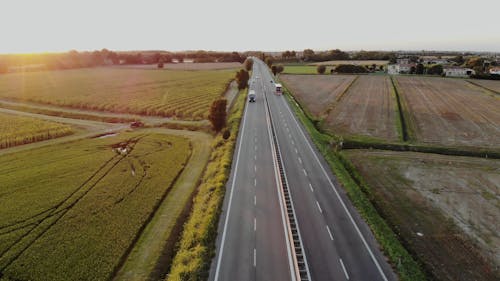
[495,71]
[457,71]
[400,68]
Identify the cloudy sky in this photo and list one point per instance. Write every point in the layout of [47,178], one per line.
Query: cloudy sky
[227,25]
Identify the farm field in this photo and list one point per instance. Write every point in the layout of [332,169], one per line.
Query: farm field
[73,211]
[445,208]
[168,93]
[317,92]
[17,130]
[493,85]
[301,69]
[355,62]
[189,66]
[450,111]
[367,108]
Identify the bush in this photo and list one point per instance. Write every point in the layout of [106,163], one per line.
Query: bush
[350,68]
[321,69]
[226,134]
[218,114]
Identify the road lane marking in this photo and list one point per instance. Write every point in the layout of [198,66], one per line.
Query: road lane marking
[296,151]
[255,148]
[300,160]
[255,168]
[319,208]
[254,224]
[329,232]
[305,172]
[255,157]
[289,135]
[311,187]
[293,143]
[375,261]
[345,271]
[255,182]
[224,233]
[255,199]
[255,258]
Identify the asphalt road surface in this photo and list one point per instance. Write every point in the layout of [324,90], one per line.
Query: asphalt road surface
[337,242]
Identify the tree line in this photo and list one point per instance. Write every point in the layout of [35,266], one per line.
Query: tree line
[75,59]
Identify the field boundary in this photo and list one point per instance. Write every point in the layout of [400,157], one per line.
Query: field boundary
[404,263]
[407,130]
[338,98]
[483,87]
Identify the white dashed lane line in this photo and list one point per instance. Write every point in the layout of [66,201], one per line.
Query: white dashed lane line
[311,187]
[319,208]
[345,271]
[329,232]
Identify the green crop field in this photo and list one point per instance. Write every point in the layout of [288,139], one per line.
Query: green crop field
[16,130]
[73,211]
[169,93]
[301,69]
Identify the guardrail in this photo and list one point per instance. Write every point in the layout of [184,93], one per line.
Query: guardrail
[298,254]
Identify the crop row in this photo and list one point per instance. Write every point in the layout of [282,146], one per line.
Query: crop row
[73,212]
[16,130]
[168,93]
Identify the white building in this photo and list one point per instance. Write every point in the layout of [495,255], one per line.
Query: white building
[495,71]
[400,68]
[457,71]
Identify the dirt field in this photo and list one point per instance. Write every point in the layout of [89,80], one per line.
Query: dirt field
[356,62]
[367,108]
[446,209]
[451,111]
[489,84]
[317,92]
[189,66]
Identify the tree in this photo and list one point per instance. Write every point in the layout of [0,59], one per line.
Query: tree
[218,114]
[419,69]
[350,68]
[308,54]
[248,64]
[436,69]
[274,69]
[280,68]
[269,61]
[321,69]
[242,77]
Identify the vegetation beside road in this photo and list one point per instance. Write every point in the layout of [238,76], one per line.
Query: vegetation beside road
[17,130]
[74,211]
[197,245]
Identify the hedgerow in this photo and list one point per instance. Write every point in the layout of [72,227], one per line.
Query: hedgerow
[197,245]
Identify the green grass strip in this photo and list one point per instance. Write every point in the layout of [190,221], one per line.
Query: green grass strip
[405,265]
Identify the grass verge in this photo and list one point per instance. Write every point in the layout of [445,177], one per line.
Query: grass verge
[405,129]
[197,245]
[404,264]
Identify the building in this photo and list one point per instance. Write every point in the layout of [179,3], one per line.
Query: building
[495,70]
[400,68]
[457,71]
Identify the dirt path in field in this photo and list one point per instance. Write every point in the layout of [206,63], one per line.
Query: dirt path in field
[150,120]
[231,93]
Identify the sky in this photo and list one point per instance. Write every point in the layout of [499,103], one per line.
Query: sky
[29,26]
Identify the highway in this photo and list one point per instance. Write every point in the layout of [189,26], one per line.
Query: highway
[252,244]
[336,241]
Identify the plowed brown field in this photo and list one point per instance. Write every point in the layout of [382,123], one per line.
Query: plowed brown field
[317,92]
[451,111]
[367,108]
[489,84]
[445,208]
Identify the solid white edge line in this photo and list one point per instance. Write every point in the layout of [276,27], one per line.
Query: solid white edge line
[345,270]
[231,196]
[329,232]
[338,196]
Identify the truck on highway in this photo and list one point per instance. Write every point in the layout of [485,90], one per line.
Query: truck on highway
[251,96]
[279,89]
